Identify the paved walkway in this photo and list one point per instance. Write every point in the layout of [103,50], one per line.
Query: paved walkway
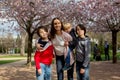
[21,65]
[98,71]
[13,58]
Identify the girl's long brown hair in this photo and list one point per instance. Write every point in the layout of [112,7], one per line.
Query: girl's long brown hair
[53,31]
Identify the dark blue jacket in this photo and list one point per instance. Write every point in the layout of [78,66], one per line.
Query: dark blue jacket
[72,44]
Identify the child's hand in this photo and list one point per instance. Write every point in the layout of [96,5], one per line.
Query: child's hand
[82,71]
[39,71]
[53,60]
[39,46]
[66,43]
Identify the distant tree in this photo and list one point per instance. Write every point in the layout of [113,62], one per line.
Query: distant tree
[23,36]
[9,43]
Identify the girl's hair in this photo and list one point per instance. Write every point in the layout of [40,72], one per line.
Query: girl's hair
[53,31]
[41,27]
[82,27]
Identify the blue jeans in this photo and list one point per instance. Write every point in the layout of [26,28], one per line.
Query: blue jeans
[67,59]
[46,72]
[84,76]
[60,64]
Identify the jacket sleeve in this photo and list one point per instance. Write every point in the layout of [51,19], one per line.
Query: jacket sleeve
[87,53]
[73,43]
[37,59]
[67,37]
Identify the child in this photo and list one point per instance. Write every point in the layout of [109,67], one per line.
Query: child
[43,57]
[82,53]
[98,55]
[106,50]
[69,57]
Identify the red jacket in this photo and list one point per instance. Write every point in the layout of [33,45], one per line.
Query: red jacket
[44,56]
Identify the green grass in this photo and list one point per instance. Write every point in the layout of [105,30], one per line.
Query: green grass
[103,56]
[7,61]
[12,56]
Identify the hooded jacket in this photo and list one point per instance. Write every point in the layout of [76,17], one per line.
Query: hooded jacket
[83,50]
[44,56]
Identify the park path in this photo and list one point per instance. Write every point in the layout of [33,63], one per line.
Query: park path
[102,70]
[19,68]
[13,58]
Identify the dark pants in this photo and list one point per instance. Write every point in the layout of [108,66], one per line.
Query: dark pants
[84,76]
[70,73]
[107,57]
[94,55]
[98,58]
[60,64]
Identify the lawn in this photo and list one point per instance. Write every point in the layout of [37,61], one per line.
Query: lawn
[8,58]
[103,56]
[12,56]
[7,61]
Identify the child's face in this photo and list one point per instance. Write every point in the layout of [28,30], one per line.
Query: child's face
[43,33]
[57,25]
[80,32]
[68,29]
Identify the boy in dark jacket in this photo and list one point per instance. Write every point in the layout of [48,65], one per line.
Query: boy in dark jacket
[83,50]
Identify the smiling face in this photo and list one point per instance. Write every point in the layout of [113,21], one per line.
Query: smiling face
[57,25]
[43,34]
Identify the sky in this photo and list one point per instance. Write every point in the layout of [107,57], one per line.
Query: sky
[5,28]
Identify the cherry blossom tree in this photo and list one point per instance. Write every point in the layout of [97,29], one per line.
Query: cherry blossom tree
[31,14]
[97,15]
[103,16]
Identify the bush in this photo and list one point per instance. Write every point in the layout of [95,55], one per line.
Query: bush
[17,50]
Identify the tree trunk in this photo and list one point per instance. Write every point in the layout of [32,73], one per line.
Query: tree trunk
[22,48]
[29,50]
[114,45]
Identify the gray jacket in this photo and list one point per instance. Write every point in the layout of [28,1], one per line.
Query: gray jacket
[83,50]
